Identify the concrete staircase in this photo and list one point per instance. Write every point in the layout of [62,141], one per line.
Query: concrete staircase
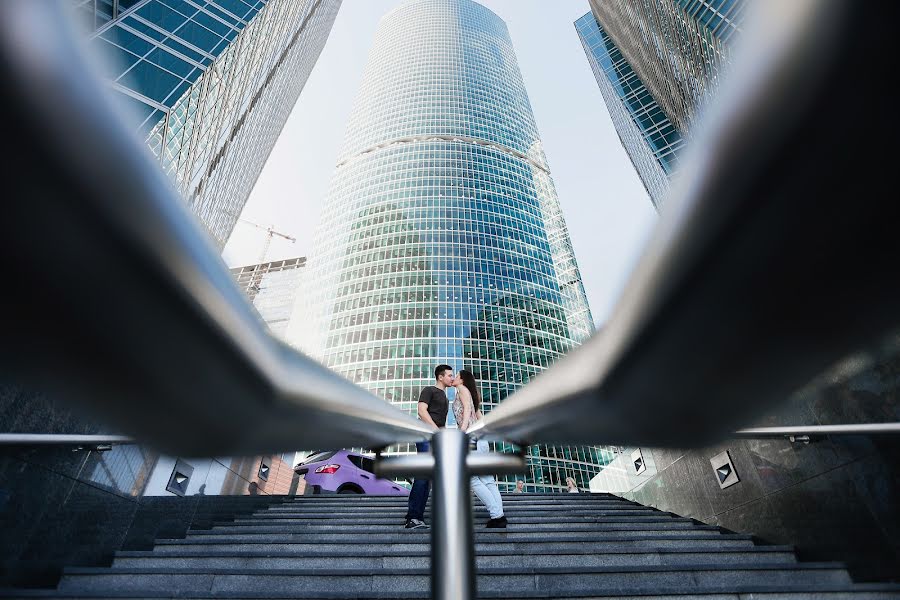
[556,546]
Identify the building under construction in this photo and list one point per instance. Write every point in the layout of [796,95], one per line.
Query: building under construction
[272,288]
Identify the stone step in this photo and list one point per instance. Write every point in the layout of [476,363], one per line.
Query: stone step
[528,497]
[403,542]
[350,500]
[384,558]
[507,580]
[366,528]
[365,521]
[482,534]
[314,512]
[479,516]
[865,591]
[362,502]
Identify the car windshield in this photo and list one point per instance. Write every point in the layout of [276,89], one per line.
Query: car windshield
[318,457]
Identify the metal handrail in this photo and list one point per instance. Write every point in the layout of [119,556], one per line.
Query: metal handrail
[817,430]
[188,352]
[760,275]
[498,464]
[61,439]
[172,353]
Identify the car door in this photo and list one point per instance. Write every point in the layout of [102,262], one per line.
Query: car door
[367,480]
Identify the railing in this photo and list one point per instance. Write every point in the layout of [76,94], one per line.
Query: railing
[760,275]
[733,300]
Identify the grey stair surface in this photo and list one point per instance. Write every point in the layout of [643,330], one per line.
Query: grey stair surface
[556,546]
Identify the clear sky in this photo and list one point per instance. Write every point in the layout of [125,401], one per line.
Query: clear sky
[607,209]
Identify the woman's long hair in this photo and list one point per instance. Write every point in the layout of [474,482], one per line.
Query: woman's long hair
[469,382]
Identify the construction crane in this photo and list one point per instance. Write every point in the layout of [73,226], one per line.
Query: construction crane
[270,231]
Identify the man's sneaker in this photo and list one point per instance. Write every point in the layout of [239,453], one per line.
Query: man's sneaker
[415,524]
[498,523]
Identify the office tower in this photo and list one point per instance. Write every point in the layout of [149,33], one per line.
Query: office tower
[657,63]
[442,239]
[272,288]
[648,136]
[679,48]
[211,84]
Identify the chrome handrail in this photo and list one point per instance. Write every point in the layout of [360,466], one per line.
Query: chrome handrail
[173,352]
[760,275]
[817,430]
[423,464]
[62,439]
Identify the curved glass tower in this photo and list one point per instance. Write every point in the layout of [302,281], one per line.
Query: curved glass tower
[442,239]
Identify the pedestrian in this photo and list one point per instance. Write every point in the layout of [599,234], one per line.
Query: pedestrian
[467,410]
[570,484]
[432,409]
[520,487]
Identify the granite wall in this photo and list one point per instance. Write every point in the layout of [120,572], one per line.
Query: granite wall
[835,498]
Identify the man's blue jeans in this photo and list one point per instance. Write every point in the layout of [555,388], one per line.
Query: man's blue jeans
[418,496]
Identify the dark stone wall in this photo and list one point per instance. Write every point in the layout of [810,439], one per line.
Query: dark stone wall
[51,519]
[67,523]
[836,498]
[60,507]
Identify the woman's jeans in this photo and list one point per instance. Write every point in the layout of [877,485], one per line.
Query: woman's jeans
[485,487]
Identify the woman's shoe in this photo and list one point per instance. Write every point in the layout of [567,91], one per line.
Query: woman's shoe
[498,523]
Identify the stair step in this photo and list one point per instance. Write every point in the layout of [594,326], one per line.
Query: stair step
[341,512]
[508,580]
[339,502]
[514,526]
[388,559]
[403,542]
[362,521]
[865,591]
[392,500]
[392,513]
[363,502]
[528,497]
[370,537]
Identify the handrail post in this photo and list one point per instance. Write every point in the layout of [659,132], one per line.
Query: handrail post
[449,466]
[452,539]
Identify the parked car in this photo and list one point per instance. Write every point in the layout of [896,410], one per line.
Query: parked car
[345,472]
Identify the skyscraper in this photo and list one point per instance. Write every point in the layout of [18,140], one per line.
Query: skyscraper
[211,83]
[647,134]
[679,48]
[657,63]
[272,288]
[442,238]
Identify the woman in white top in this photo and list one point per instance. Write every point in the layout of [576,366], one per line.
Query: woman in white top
[570,484]
[467,410]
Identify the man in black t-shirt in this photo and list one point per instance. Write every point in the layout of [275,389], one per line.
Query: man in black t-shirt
[432,409]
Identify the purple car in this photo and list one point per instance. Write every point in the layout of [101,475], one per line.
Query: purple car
[345,472]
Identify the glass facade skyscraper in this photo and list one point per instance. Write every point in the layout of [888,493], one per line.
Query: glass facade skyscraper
[647,134]
[211,83]
[442,238]
[679,48]
[657,63]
